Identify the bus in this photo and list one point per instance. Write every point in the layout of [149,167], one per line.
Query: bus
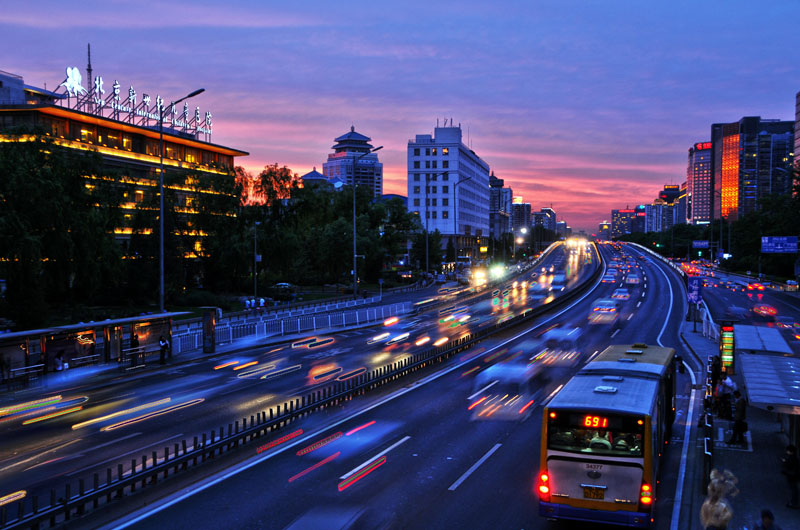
[603,435]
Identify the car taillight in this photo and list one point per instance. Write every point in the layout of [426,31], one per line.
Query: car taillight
[646,495]
[544,487]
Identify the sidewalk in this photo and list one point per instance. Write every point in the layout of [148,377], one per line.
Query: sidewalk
[757,466]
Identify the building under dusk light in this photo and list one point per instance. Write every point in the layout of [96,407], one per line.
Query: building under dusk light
[699,186]
[347,160]
[752,159]
[448,185]
[122,126]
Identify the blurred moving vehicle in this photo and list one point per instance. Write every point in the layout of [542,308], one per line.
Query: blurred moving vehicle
[633,279]
[604,311]
[505,391]
[621,294]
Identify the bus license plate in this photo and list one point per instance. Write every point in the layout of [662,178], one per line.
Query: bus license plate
[593,493]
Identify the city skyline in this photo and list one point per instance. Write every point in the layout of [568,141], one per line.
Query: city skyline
[583,107]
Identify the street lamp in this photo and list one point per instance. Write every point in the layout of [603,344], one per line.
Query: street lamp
[255,260]
[355,254]
[161,196]
[519,240]
[455,213]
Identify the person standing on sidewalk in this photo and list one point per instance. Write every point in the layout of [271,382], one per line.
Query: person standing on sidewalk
[164,346]
[739,419]
[726,389]
[790,468]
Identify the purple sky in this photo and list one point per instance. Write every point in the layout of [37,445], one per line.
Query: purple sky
[586,105]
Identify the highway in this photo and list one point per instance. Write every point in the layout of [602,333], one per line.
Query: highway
[88,429]
[414,456]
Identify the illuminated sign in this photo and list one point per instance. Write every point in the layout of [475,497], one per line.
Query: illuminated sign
[671,187]
[595,421]
[702,145]
[484,249]
[726,347]
[626,211]
[138,109]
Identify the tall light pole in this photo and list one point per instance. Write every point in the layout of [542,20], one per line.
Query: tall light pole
[355,254]
[161,196]
[455,213]
[255,260]
[427,214]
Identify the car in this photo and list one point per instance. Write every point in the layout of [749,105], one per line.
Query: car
[787,323]
[633,279]
[608,279]
[764,310]
[621,294]
[506,391]
[604,311]
[755,286]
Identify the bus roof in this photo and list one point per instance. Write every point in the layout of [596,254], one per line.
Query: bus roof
[626,395]
[636,359]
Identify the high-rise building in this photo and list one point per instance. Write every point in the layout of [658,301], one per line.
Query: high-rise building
[548,218]
[448,186]
[796,151]
[680,214]
[622,222]
[499,209]
[346,162]
[752,159]
[604,231]
[562,229]
[520,215]
[699,184]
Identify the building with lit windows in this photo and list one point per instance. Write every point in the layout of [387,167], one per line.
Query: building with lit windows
[548,218]
[448,187]
[604,231]
[622,222]
[122,128]
[796,151]
[699,184]
[346,163]
[752,158]
[520,214]
[499,207]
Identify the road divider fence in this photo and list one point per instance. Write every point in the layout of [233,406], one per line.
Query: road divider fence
[29,512]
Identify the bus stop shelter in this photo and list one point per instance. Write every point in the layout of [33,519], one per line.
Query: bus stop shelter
[26,355]
[773,384]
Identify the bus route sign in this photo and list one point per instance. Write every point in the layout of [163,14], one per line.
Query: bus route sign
[695,289]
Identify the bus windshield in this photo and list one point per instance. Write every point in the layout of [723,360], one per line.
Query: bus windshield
[581,432]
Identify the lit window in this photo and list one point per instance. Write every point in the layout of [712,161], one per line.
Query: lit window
[433,151]
[445,151]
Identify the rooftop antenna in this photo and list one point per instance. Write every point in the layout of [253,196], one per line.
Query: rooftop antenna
[89,68]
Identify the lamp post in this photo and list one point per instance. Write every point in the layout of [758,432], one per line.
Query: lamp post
[255,260]
[455,213]
[161,196]
[355,254]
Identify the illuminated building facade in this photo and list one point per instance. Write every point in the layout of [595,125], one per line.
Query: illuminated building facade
[699,188]
[520,215]
[129,149]
[346,163]
[448,187]
[622,222]
[604,231]
[548,217]
[796,151]
[752,159]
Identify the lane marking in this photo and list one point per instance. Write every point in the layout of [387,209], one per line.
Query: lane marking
[487,387]
[37,455]
[475,466]
[373,459]
[630,316]
[180,497]
[639,303]
[615,333]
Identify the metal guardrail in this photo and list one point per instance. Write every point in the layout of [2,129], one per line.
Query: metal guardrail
[75,503]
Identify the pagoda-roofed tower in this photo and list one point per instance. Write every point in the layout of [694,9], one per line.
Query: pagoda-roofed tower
[346,161]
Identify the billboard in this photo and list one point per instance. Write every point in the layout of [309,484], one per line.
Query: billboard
[779,244]
[700,243]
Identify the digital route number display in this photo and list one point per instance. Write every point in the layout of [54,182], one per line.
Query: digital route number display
[595,421]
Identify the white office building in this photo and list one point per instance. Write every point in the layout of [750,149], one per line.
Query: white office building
[456,198]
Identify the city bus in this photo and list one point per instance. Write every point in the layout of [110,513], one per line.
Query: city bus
[603,435]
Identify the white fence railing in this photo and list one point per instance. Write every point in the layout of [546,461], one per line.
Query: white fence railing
[255,327]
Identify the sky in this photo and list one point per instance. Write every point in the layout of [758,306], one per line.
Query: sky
[584,105]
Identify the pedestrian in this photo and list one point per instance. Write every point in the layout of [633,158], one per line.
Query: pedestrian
[163,348]
[739,419]
[716,511]
[724,393]
[60,361]
[790,468]
[767,521]
[134,349]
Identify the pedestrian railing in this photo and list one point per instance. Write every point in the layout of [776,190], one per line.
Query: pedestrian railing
[29,512]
